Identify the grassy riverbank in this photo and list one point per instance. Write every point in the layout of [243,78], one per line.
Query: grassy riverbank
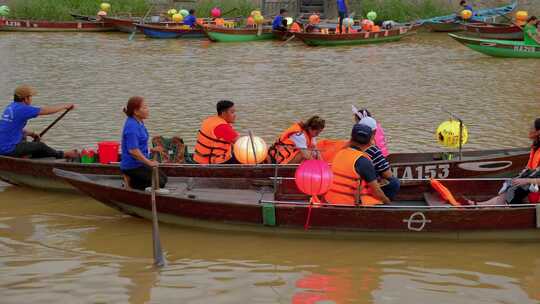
[401,10]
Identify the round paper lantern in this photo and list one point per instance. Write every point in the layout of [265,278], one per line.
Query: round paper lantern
[215,12]
[522,15]
[313,177]
[347,22]
[244,148]
[448,134]
[314,19]
[184,13]
[102,13]
[255,13]
[4,10]
[259,19]
[172,12]
[289,20]
[466,14]
[105,6]
[177,18]
[250,21]
[371,16]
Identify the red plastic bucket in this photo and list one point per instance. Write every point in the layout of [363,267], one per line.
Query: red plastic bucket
[108,151]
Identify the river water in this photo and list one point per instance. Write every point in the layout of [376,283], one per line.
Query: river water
[70,249]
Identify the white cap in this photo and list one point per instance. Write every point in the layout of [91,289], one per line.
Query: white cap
[370,122]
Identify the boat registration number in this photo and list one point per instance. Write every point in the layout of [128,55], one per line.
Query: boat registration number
[421,172]
[523,48]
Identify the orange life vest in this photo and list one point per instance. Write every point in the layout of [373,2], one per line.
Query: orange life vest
[295,27]
[284,150]
[330,147]
[534,159]
[209,149]
[444,192]
[346,181]
[220,21]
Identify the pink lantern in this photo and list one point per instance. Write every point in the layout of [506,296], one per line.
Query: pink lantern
[313,177]
[215,12]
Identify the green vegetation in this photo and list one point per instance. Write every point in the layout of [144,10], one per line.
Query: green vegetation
[401,10]
[60,10]
[230,8]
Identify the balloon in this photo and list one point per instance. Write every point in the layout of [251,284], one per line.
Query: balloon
[259,19]
[105,6]
[522,15]
[184,13]
[4,10]
[372,16]
[466,14]
[290,20]
[243,150]
[172,12]
[177,18]
[448,134]
[255,13]
[215,12]
[347,22]
[250,21]
[314,19]
[313,177]
[102,13]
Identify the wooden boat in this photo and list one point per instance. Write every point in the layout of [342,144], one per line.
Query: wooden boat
[282,35]
[494,31]
[451,23]
[243,206]
[84,17]
[170,31]
[224,34]
[332,39]
[123,24]
[38,173]
[53,26]
[500,48]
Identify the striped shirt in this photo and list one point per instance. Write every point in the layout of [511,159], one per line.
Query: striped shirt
[377,158]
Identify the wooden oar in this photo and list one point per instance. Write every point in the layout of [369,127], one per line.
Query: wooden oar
[287,41]
[159,259]
[253,147]
[54,122]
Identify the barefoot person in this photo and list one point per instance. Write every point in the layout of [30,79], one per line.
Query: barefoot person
[12,127]
[135,163]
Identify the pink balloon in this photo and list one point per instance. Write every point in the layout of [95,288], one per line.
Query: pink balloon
[313,177]
[380,140]
[216,12]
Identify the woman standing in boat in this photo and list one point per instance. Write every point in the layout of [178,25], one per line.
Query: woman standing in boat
[135,163]
[530,31]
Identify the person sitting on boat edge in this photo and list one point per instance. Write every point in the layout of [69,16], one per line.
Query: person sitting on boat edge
[13,122]
[135,162]
[389,183]
[354,177]
[217,136]
[530,32]
[297,143]
[190,19]
[527,182]
[280,23]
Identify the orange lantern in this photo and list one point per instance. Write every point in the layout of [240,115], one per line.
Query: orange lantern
[250,150]
[466,14]
[375,28]
[522,16]
[220,21]
[314,19]
[250,21]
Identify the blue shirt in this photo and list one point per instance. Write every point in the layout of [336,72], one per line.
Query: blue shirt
[468,7]
[341,6]
[190,20]
[12,124]
[134,136]
[278,22]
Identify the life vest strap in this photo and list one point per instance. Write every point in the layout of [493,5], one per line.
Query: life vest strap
[213,139]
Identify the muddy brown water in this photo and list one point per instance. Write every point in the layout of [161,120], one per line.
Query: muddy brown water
[68,248]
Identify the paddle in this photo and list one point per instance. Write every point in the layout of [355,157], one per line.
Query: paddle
[159,258]
[253,147]
[289,39]
[54,123]
[132,35]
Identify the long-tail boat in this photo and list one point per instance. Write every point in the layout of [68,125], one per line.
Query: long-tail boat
[225,34]
[494,31]
[38,173]
[54,26]
[245,205]
[170,31]
[362,37]
[451,23]
[500,48]
[123,24]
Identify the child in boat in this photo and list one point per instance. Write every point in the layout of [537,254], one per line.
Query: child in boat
[530,31]
[380,139]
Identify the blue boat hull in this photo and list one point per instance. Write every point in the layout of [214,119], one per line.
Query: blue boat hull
[157,34]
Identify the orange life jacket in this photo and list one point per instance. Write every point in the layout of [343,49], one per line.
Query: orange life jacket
[284,150]
[220,21]
[534,159]
[346,181]
[444,192]
[295,27]
[330,147]
[209,149]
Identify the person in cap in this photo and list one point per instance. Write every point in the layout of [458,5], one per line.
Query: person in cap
[354,177]
[380,139]
[13,122]
[389,183]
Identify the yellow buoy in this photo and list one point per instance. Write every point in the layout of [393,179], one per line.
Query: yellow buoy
[244,150]
[447,134]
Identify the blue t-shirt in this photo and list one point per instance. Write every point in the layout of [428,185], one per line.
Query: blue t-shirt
[134,136]
[468,7]
[12,124]
[341,6]
[278,22]
[190,20]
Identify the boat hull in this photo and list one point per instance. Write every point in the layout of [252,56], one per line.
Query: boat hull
[319,39]
[169,32]
[48,26]
[222,34]
[500,48]
[494,31]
